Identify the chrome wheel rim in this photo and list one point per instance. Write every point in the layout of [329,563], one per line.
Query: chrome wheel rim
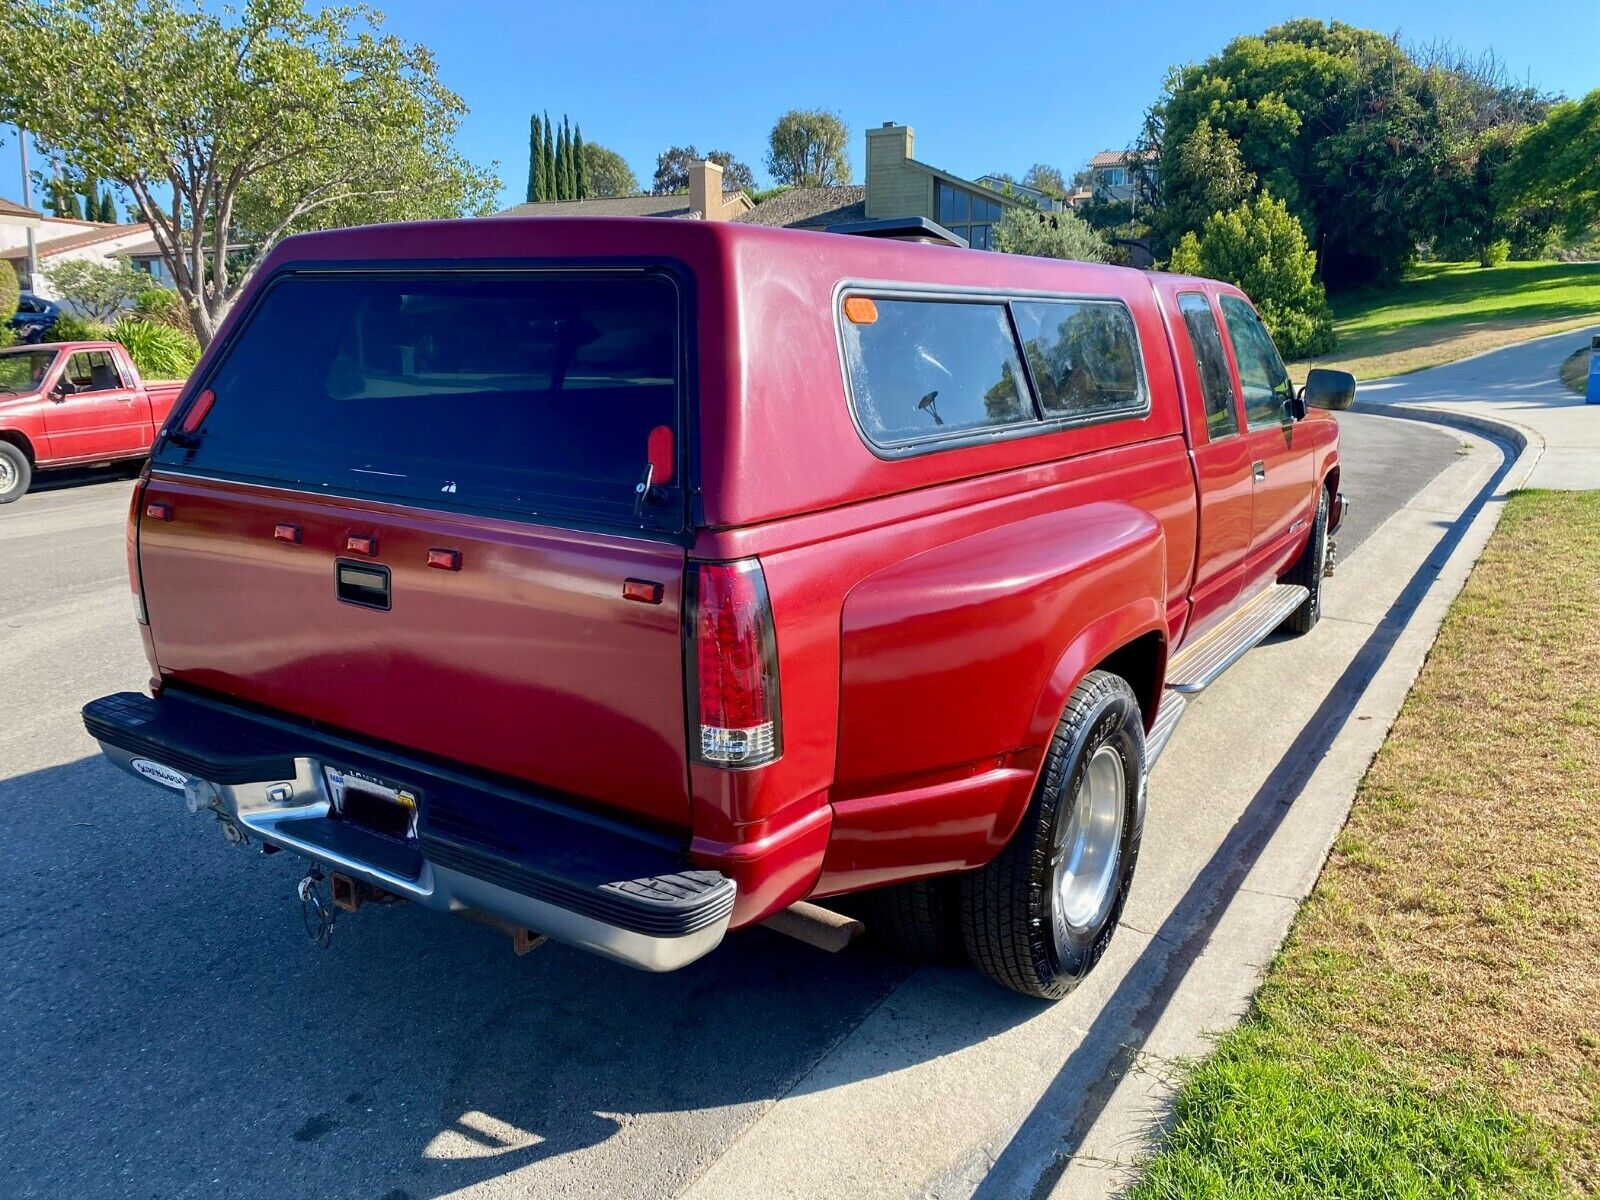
[8,476]
[1088,843]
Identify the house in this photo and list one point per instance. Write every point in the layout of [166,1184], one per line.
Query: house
[1113,172]
[56,239]
[1010,187]
[897,186]
[705,200]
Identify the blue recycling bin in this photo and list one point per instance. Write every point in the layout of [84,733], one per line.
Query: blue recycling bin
[1593,395]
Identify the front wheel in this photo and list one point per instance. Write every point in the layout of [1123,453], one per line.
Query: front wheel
[1309,570]
[16,473]
[1038,916]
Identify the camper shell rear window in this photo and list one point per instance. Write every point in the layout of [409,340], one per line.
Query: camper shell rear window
[524,393]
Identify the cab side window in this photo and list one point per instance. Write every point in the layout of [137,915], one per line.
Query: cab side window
[1211,360]
[1084,357]
[1262,375]
[93,371]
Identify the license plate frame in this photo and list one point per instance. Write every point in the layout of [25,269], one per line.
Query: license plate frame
[372,803]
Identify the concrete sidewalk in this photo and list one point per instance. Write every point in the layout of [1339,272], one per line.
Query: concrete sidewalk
[1517,386]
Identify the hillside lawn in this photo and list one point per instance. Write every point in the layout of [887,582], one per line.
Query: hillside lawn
[1444,311]
[1432,1025]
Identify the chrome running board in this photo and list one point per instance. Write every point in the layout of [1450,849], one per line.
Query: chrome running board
[1167,717]
[1198,665]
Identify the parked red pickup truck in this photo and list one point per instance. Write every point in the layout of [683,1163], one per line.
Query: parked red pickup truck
[628,581]
[71,403]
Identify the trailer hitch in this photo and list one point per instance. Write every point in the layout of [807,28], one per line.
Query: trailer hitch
[316,914]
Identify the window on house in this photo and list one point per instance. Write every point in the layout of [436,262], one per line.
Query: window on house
[1084,356]
[968,214]
[922,370]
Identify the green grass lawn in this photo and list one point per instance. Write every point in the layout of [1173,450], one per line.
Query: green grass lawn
[1444,311]
[1432,1025]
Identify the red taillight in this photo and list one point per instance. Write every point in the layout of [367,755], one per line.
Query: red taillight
[198,411]
[737,720]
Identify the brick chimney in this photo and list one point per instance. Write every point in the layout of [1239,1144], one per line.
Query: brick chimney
[705,190]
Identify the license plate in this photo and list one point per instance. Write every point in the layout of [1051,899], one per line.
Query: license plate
[373,803]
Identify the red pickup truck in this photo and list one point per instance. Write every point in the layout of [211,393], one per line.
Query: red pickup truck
[73,403]
[628,581]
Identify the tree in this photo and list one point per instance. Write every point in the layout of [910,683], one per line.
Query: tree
[1042,177]
[1373,147]
[563,163]
[547,157]
[1557,164]
[1049,235]
[242,125]
[607,172]
[673,163]
[10,293]
[1261,247]
[1209,177]
[580,168]
[108,209]
[807,148]
[100,290]
[535,165]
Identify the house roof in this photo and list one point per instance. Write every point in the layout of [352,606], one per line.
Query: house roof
[810,207]
[74,241]
[614,206]
[1117,158]
[10,208]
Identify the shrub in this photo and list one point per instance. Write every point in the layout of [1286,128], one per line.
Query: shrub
[159,351]
[98,290]
[1261,247]
[1049,235]
[70,327]
[1495,253]
[162,306]
[10,291]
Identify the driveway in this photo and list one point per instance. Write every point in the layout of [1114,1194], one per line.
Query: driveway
[166,1030]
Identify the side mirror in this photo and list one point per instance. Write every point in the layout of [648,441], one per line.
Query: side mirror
[1295,406]
[64,388]
[1334,390]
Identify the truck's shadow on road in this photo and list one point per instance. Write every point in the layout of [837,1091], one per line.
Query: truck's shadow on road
[167,1012]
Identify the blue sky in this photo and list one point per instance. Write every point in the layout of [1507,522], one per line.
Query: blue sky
[984,91]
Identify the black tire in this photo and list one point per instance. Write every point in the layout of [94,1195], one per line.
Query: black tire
[1011,915]
[1308,572]
[919,920]
[16,473]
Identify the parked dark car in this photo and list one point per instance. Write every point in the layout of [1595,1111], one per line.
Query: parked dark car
[35,317]
[684,571]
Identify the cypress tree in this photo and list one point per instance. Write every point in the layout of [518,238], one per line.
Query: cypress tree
[108,208]
[70,205]
[548,157]
[581,172]
[570,170]
[535,176]
[561,164]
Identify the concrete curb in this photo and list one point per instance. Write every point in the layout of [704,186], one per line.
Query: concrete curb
[1105,1157]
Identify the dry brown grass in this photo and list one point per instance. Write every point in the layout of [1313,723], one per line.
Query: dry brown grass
[1575,370]
[1456,929]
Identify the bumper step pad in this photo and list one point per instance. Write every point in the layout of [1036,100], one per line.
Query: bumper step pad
[529,843]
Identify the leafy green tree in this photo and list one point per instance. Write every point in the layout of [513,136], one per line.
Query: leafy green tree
[548,158]
[1261,248]
[673,163]
[1044,178]
[10,293]
[100,290]
[809,148]
[580,167]
[1210,177]
[1557,164]
[1049,235]
[563,163]
[241,125]
[1371,148]
[535,161]
[108,208]
[607,173]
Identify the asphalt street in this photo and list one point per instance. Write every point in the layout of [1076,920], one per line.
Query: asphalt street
[167,1031]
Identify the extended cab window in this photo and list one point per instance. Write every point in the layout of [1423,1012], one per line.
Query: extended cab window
[529,393]
[1084,356]
[925,369]
[1211,360]
[1262,375]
